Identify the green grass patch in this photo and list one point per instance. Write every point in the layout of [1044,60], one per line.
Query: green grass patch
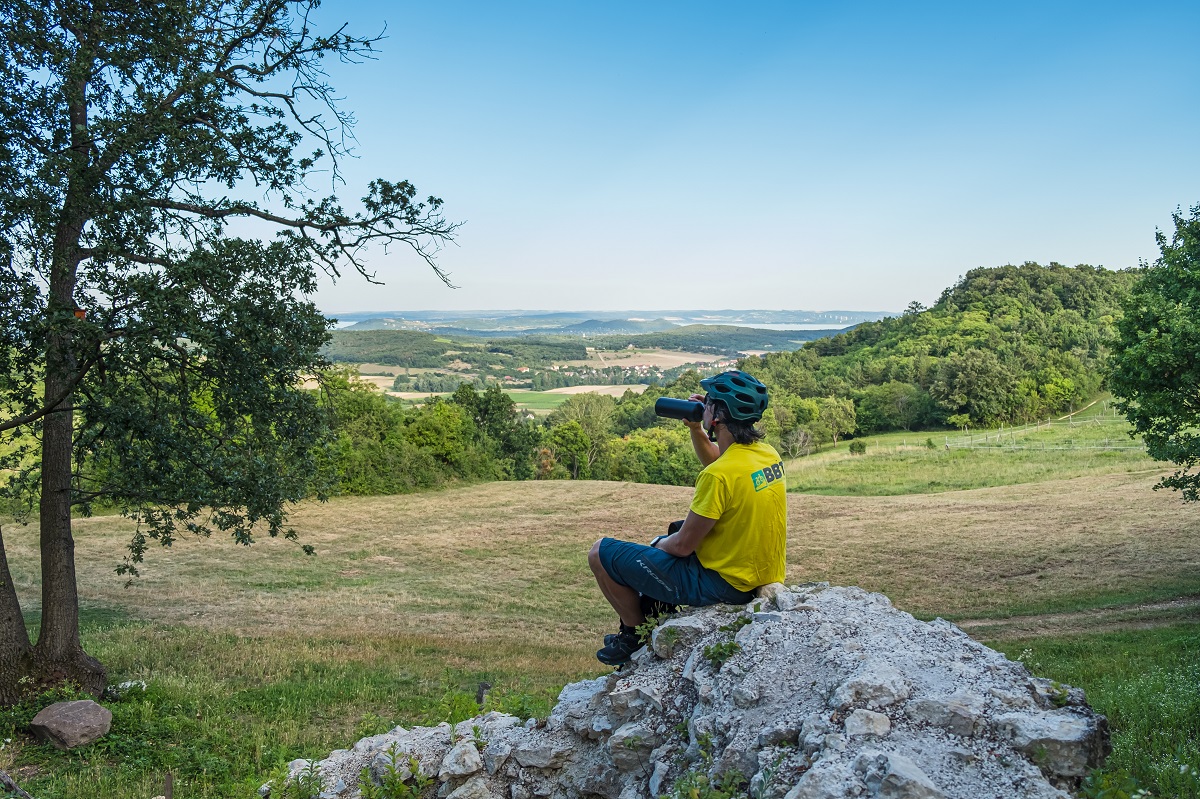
[221,712]
[932,462]
[895,470]
[537,400]
[1148,684]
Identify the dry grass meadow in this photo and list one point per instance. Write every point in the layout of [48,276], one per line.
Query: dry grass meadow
[504,564]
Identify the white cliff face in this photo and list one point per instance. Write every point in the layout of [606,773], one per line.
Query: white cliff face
[808,693]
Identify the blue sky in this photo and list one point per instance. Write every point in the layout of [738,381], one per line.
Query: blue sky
[767,155]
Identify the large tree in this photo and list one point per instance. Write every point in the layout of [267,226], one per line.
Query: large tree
[150,359]
[1156,360]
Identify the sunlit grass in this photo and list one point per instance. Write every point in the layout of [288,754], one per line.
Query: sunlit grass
[537,400]
[951,460]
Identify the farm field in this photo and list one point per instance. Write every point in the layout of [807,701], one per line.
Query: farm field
[539,402]
[262,655]
[664,359]
[611,391]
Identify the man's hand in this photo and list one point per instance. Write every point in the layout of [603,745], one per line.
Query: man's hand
[691,424]
[684,542]
[706,450]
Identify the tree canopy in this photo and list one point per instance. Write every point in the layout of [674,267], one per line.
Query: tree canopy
[1156,360]
[150,360]
[1004,344]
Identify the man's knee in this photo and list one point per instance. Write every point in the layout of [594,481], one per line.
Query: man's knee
[594,556]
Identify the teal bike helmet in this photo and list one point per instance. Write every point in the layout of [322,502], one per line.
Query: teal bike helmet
[744,396]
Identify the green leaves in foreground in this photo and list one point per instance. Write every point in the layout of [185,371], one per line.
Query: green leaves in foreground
[1155,371]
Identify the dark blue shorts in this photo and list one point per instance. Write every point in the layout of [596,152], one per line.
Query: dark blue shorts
[662,576]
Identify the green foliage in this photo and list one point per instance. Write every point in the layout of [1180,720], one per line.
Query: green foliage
[371,724]
[307,784]
[522,704]
[397,781]
[647,627]
[1098,785]
[570,446]
[456,706]
[737,624]
[1154,367]
[698,782]
[720,652]
[1004,344]
[372,454]
[415,349]
[858,447]
[158,358]
[659,454]
[716,339]
[382,448]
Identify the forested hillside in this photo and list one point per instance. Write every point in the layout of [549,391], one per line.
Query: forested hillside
[1005,344]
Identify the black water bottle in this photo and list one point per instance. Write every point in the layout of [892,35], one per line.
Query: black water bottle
[672,408]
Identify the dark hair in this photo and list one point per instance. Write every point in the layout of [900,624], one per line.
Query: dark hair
[743,431]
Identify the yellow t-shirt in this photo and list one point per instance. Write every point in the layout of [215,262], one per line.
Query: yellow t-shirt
[744,490]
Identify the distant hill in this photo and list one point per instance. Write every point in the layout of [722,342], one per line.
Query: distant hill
[716,339]
[498,324]
[435,350]
[596,327]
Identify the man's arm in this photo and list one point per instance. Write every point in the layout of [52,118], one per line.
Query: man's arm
[684,542]
[706,450]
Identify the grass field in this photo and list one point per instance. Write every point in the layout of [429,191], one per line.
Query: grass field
[911,463]
[257,656]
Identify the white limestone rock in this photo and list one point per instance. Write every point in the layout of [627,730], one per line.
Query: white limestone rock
[960,713]
[827,780]
[630,746]
[474,788]
[461,761]
[868,722]
[876,685]
[679,634]
[1062,742]
[893,776]
[850,681]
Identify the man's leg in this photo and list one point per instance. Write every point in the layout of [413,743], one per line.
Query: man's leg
[624,600]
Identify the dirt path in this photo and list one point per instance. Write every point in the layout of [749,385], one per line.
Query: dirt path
[1122,617]
[1081,410]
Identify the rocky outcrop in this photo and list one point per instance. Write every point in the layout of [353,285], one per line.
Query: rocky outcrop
[808,693]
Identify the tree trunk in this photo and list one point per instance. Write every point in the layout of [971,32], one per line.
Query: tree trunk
[15,653]
[59,654]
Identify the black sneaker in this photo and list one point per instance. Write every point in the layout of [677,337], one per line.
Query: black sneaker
[620,650]
[651,608]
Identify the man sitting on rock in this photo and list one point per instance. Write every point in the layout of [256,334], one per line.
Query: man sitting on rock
[734,537]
